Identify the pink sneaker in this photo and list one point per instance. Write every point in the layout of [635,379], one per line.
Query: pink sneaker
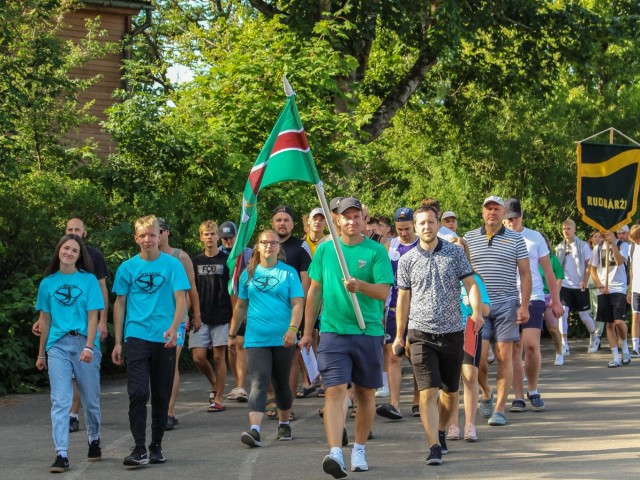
[453,433]
[470,433]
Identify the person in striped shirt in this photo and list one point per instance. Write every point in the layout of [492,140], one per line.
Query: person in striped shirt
[498,254]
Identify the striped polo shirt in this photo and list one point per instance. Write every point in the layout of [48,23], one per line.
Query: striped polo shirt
[495,258]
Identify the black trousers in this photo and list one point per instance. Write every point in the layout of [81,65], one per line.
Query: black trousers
[150,369]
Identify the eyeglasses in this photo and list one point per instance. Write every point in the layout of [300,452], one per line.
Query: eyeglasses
[273,243]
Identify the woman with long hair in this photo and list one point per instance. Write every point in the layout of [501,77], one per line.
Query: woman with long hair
[271,299]
[70,298]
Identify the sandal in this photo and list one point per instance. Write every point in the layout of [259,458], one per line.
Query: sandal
[212,395]
[292,416]
[271,410]
[305,392]
[321,393]
[216,407]
[354,410]
[321,412]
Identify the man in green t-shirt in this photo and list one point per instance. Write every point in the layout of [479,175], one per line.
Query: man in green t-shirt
[347,353]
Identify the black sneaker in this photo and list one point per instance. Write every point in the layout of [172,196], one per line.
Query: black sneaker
[284,432]
[60,465]
[95,452]
[442,436]
[137,458]
[251,438]
[155,454]
[435,455]
[74,424]
[171,423]
[345,437]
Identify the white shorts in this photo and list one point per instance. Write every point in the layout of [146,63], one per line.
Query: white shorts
[210,336]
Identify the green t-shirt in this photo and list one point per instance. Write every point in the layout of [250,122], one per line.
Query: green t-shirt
[367,261]
[557,271]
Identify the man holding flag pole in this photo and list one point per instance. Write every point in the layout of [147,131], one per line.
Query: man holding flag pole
[286,156]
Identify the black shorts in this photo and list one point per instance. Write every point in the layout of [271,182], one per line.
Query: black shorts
[436,359]
[575,298]
[611,306]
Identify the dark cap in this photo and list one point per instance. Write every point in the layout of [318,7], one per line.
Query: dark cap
[512,207]
[228,230]
[162,223]
[403,214]
[283,209]
[333,204]
[349,202]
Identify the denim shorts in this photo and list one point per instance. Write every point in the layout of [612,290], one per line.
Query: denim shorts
[501,324]
[350,358]
[536,314]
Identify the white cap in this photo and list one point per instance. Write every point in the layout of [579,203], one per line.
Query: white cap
[316,211]
[448,214]
[493,199]
[623,229]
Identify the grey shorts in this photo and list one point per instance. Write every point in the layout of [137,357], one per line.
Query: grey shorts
[210,336]
[501,324]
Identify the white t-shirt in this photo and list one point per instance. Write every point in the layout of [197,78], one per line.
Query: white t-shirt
[446,233]
[537,248]
[572,275]
[635,268]
[617,273]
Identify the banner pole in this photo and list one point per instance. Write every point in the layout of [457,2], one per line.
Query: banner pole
[338,247]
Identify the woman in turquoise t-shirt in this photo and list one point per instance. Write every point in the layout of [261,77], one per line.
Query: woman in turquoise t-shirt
[271,299]
[70,299]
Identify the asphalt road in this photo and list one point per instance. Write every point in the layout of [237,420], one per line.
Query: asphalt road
[589,430]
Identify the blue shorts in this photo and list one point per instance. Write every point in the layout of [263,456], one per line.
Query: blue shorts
[182,330]
[501,324]
[390,328]
[536,314]
[350,358]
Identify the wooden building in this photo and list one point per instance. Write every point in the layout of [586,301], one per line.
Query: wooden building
[116,18]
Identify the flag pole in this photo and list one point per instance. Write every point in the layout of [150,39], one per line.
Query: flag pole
[338,247]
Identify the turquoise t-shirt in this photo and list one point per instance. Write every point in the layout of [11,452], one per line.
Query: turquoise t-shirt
[68,299]
[149,287]
[465,307]
[367,261]
[269,294]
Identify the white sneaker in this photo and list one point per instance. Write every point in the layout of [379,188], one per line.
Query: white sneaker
[359,460]
[594,344]
[565,351]
[334,466]
[559,359]
[383,391]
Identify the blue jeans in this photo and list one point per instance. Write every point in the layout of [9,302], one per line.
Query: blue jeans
[63,361]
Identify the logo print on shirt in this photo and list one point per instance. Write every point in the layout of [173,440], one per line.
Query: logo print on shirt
[265,283]
[66,295]
[150,282]
[362,263]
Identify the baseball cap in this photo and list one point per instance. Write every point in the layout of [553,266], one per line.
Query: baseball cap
[349,202]
[403,214]
[163,224]
[333,204]
[228,230]
[283,209]
[512,207]
[316,211]
[623,229]
[448,214]
[493,199]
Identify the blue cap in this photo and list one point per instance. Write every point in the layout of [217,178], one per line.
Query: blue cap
[403,214]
